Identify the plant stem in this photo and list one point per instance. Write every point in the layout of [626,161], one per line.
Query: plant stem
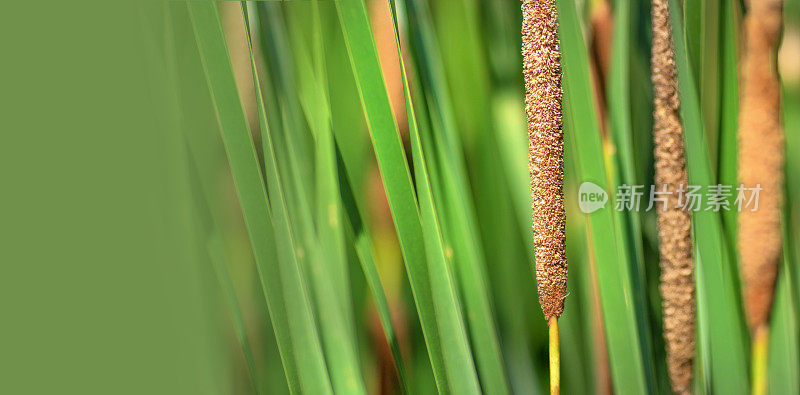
[760,348]
[555,357]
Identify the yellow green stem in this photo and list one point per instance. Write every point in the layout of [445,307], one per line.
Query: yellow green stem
[555,357]
[760,348]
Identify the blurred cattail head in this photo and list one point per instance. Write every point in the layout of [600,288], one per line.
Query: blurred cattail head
[761,146]
[674,223]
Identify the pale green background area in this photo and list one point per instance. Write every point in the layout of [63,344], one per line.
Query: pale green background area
[103,287]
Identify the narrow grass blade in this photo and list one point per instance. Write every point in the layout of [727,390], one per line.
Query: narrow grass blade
[396,178]
[458,359]
[790,101]
[510,271]
[289,128]
[692,14]
[312,372]
[701,29]
[729,110]
[204,218]
[329,206]
[784,363]
[728,354]
[456,199]
[620,117]
[622,155]
[216,255]
[709,77]
[364,250]
[513,147]
[730,13]
[329,275]
[627,345]
[456,348]
[702,371]
[207,222]
[641,91]
[784,343]
[294,144]
[206,151]
[349,164]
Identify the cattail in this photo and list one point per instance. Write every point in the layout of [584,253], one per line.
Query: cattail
[760,159]
[542,71]
[674,222]
[542,68]
[761,148]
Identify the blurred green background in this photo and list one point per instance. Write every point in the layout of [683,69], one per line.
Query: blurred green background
[347,225]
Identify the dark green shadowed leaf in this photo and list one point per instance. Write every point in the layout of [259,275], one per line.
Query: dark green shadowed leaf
[364,250]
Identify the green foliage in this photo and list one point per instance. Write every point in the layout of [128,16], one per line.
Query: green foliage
[462,317]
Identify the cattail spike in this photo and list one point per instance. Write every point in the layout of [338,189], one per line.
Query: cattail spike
[674,223]
[542,70]
[761,148]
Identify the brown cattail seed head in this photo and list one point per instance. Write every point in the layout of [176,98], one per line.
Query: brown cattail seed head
[674,223]
[761,149]
[542,70]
